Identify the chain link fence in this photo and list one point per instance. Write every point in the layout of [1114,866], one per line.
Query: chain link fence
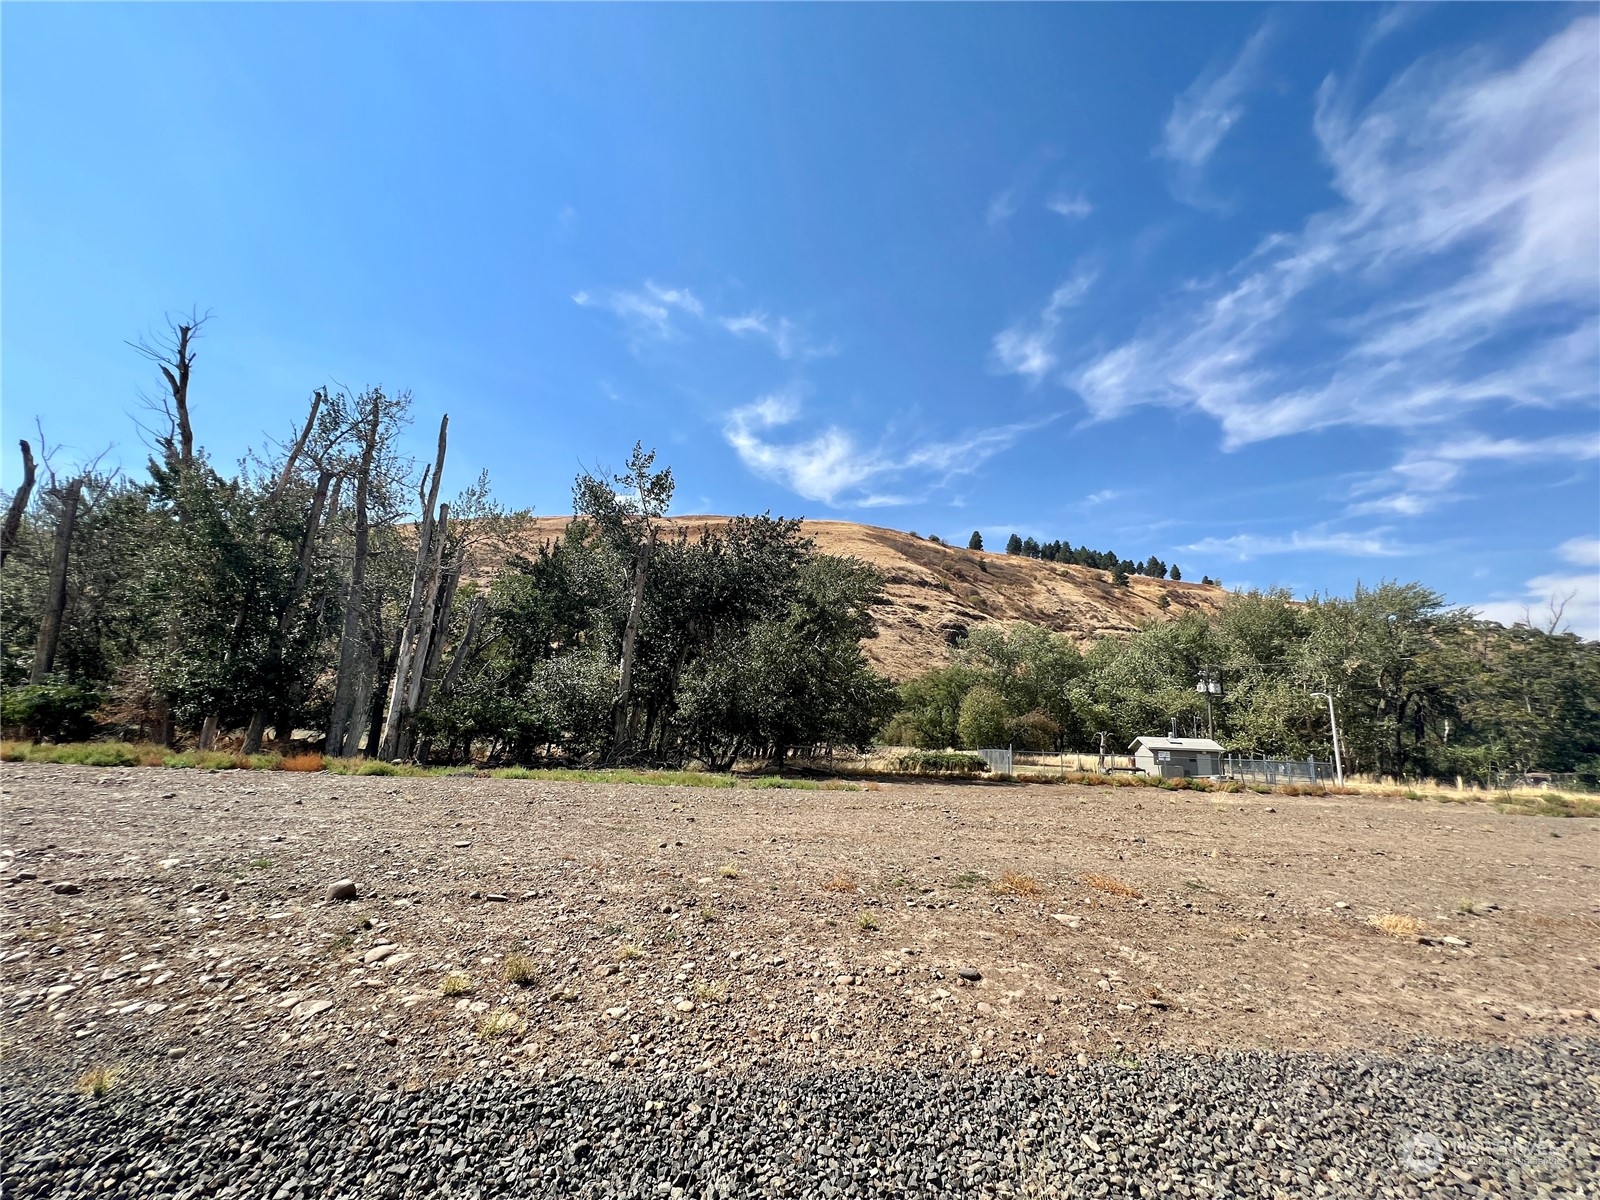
[1277,770]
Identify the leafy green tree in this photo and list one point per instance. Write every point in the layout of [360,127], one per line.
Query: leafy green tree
[983,720]
[930,705]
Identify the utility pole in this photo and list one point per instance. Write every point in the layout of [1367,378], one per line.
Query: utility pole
[1338,765]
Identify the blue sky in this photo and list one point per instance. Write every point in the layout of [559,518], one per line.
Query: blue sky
[1297,295]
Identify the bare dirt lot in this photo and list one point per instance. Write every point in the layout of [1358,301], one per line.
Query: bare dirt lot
[172,918]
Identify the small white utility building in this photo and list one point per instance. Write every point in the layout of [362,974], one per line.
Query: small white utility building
[1176,758]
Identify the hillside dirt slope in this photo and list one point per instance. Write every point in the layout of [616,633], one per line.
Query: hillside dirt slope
[935,593]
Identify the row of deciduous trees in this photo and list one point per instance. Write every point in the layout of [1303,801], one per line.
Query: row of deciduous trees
[1420,688]
[324,585]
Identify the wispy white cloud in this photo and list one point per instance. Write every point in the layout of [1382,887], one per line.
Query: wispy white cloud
[1423,478]
[1203,114]
[1028,348]
[653,312]
[1002,208]
[1561,599]
[648,311]
[829,465]
[1581,552]
[1072,206]
[1374,543]
[1458,272]
[788,340]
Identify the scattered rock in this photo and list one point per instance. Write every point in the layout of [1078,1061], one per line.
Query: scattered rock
[66,889]
[970,974]
[342,891]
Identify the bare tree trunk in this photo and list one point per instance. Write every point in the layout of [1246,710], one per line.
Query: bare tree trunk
[19,503]
[410,648]
[440,625]
[630,635]
[341,720]
[55,604]
[474,618]
[379,667]
[436,624]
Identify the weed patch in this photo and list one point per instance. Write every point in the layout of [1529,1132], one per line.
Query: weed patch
[715,991]
[1011,883]
[498,1024]
[97,1081]
[1112,886]
[519,969]
[1397,925]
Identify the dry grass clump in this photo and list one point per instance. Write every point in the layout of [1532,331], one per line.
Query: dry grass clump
[302,762]
[1011,883]
[866,922]
[713,990]
[97,1081]
[1397,925]
[1112,886]
[456,983]
[628,951]
[519,969]
[729,870]
[841,882]
[497,1024]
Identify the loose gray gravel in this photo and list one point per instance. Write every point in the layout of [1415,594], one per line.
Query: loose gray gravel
[1484,1121]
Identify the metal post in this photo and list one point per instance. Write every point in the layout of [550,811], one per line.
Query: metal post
[1333,721]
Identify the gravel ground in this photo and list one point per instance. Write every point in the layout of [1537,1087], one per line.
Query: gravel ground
[1482,1122]
[571,989]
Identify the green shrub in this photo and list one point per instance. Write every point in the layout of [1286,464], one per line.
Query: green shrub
[51,712]
[940,762]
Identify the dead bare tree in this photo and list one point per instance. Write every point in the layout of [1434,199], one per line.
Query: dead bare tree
[173,354]
[67,498]
[417,629]
[19,503]
[354,676]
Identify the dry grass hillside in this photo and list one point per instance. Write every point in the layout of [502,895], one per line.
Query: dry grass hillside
[935,592]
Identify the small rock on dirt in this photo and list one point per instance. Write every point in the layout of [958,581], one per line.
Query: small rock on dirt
[343,890]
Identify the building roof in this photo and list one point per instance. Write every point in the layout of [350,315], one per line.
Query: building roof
[1206,745]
